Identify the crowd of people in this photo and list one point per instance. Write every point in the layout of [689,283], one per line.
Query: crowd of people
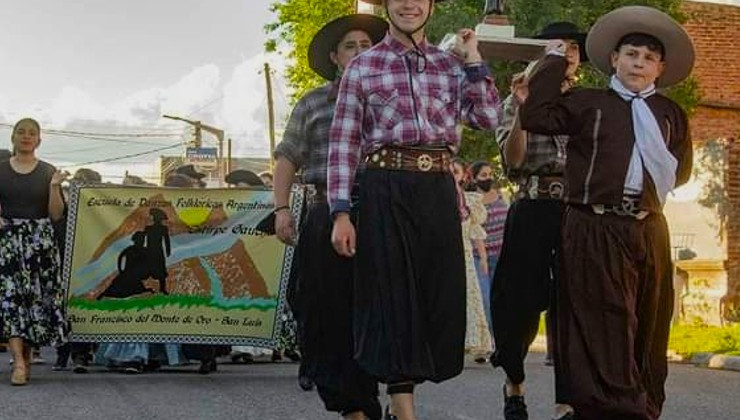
[409,258]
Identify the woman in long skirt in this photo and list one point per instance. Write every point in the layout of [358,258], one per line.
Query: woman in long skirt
[30,287]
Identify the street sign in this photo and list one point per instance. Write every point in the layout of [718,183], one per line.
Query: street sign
[202,157]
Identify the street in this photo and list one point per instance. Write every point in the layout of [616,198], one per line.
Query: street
[270,391]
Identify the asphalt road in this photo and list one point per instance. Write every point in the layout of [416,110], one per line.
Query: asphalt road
[270,391]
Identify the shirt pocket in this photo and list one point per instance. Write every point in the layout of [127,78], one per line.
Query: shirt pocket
[442,111]
[384,108]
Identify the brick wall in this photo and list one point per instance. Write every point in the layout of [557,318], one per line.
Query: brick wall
[715,30]
[731,301]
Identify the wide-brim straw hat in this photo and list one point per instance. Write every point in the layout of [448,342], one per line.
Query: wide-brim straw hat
[325,41]
[613,26]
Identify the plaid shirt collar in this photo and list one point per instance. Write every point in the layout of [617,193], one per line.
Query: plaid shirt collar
[399,48]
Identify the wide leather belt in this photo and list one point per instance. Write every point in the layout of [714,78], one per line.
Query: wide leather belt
[543,187]
[630,207]
[415,159]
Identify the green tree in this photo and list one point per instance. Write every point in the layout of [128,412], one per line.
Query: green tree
[297,23]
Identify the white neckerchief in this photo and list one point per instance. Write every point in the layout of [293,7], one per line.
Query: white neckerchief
[650,148]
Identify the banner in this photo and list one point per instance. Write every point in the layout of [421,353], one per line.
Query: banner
[147,264]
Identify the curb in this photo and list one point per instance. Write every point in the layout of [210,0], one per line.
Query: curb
[707,360]
[716,361]
[704,360]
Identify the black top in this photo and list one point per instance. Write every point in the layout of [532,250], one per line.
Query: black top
[25,196]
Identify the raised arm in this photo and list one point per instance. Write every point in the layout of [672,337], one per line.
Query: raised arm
[547,110]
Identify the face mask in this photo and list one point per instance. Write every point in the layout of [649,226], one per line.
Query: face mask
[485,185]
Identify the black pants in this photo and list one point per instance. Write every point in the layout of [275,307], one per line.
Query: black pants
[615,305]
[523,285]
[80,352]
[322,304]
[410,281]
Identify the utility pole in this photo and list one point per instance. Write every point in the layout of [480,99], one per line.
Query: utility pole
[228,159]
[270,113]
[198,138]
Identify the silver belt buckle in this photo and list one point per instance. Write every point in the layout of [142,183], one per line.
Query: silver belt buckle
[556,190]
[424,162]
[598,208]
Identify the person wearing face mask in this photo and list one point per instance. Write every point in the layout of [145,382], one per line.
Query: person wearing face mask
[320,295]
[496,209]
[629,147]
[31,295]
[524,282]
[398,114]
[473,213]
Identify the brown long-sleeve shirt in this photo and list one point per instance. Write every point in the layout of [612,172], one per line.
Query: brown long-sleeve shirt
[599,123]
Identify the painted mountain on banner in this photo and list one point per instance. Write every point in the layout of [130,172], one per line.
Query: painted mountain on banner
[199,265]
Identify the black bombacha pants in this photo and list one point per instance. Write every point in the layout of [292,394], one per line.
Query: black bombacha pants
[322,304]
[524,282]
[615,302]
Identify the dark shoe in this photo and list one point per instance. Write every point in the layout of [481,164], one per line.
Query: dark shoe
[59,365]
[480,360]
[133,368]
[305,383]
[80,368]
[276,356]
[514,407]
[292,355]
[388,415]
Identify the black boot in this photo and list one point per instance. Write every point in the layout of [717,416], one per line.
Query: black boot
[305,383]
[514,407]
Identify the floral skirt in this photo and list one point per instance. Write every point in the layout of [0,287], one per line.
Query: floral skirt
[31,295]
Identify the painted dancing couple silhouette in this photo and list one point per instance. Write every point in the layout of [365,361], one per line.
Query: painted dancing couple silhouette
[145,259]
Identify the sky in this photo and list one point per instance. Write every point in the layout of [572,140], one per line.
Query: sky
[115,66]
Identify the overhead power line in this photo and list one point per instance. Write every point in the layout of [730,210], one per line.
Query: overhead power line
[71,133]
[130,155]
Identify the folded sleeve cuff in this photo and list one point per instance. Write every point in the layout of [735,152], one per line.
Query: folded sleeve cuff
[340,206]
[477,72]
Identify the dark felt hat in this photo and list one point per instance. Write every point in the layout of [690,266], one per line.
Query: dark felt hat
[189,170]
[244,176]
[565,30]
[325,41]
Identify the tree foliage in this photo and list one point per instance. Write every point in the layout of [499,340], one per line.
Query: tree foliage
[712,167]
[297,23]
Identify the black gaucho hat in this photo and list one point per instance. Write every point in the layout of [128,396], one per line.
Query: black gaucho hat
[189,170]
[244,176]
[325,41]
[565,30]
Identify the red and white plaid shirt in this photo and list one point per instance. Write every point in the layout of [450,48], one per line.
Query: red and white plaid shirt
[385,99]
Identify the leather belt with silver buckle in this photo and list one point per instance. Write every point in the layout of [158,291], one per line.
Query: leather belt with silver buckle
[630,207]
[415,159]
